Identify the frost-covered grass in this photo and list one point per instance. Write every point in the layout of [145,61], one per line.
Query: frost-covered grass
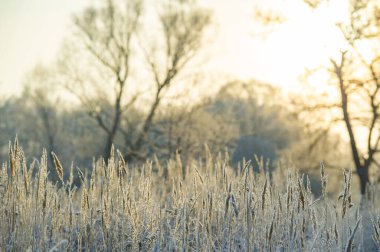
[152,208]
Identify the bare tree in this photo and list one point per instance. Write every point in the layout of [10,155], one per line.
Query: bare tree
[356,77]
[38,94]
[362,28]
[106,38]
[183,25]
[111,35]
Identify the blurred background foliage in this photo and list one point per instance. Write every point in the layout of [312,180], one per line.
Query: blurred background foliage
[130,76]
[245,120]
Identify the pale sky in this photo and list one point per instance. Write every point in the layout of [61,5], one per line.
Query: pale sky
[32,31]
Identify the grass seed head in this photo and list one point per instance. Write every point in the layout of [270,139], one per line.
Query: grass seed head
[58,166]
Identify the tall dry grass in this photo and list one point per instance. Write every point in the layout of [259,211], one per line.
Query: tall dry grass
[151,207]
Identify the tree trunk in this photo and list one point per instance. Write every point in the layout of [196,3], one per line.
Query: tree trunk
[50,134]
[363,178]
[361,169]
[107,150]
[115,127]
[144,130]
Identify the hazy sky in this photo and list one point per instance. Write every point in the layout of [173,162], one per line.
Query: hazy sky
[32,30]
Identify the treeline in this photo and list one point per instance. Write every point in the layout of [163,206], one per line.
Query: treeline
[241,119]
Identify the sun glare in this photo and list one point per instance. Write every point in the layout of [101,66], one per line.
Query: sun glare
[305,42]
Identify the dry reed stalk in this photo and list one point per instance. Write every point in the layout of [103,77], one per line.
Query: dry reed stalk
[122,164]
[71,176]
[112,155]
[12,160]
[27,175]
[346,194]
[200,176]
[248,221]
[58,166]
[376,229]
[84,205]
[301,196]
[269,234]
[14,157]
[323,179]
[227,205]
[234,205]
[58,247]
[81,175]
[336,233]
[264,194]
[210,207]
[350,240]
